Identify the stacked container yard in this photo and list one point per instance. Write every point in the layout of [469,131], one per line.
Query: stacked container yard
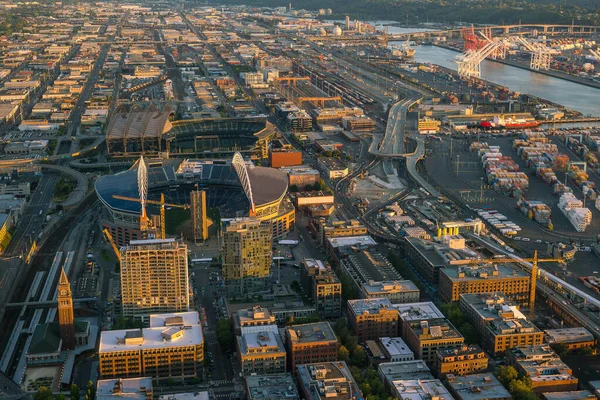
[535,210]
[501,171]
[593,142]
[573,209]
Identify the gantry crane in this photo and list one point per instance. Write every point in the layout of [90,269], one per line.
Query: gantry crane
[534,270]
[161,203]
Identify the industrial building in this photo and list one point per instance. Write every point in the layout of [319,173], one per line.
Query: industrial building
[285,156]
[319,279]
[171,348]
[426,337]
[154,278]
[420,389]
[301,176]
[332,168]
[500,324]
[310,343]
[247,256]
[513,282]
[572,338]
[373,318]
[393,371]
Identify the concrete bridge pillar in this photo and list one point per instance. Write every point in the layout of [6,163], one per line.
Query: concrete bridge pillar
[506,30]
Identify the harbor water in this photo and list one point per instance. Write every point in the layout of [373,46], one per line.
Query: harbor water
[572,95]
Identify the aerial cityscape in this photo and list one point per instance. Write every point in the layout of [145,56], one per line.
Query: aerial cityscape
[361,200]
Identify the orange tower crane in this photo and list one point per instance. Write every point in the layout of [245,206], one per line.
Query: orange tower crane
[534,270]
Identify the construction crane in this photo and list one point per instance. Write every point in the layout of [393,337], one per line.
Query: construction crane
[160,203]
[534,270]
[112,243]
[469,62]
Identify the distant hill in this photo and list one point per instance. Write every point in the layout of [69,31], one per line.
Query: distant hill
[475,11]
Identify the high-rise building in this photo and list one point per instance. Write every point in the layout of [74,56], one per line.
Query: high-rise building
[154,277]
[247,256]
[199,219]
[66,318]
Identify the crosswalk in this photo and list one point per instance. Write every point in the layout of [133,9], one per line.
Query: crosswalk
[221,382]
[225,395]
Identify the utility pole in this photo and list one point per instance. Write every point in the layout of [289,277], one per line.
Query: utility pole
[451,147]
[457,164]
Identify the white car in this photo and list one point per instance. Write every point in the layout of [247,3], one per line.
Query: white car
[525,239]
[517,238]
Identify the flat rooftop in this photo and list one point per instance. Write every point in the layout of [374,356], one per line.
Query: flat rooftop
[395,346]
[130,388]
[327,380]
[316,332]
[568,335]
[416,369]
[272,387]
[166,330]
[478,387]
[261,342]
[478,272]
[370,306]
[570,395]
[418,311]
[418,389]
[490,306]
[435,330]
[388,287]
[347,241]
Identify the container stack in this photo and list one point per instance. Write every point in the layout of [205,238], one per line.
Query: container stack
[535,210]
[593,142]
[573,209]
[560,188]
[501,171]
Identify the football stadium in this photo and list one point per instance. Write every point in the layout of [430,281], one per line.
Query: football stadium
[233,185]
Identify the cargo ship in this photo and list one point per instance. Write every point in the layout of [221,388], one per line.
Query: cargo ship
[592,282]
[509,123]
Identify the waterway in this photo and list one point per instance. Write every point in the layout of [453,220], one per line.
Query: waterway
[578,97]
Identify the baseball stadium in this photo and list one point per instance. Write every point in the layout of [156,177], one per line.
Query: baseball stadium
[133,131]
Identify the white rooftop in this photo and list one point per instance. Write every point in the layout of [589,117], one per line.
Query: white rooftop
[364,240]
[418,389]
[131,388]
[418,311]
[166,330]
[395,346]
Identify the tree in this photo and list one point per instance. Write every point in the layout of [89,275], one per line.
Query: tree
[91,390]
[506,374]
[351,342]
[43,394]
[343,354]
[560,348]
[359,357]
[74,392]
[225,334]
[293,188]
[60,396]
[585,351]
